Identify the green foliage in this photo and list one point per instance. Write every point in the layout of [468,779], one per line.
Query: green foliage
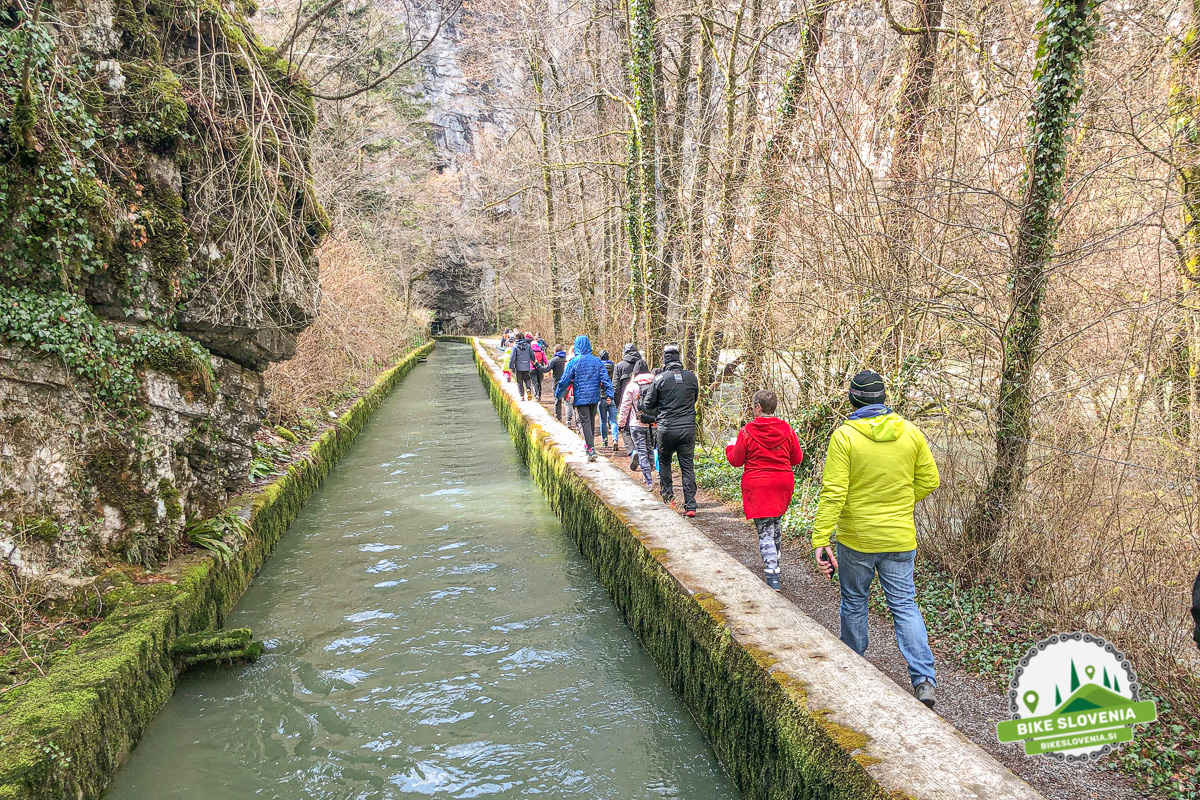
[266,456]
[49,192]
[61,324]
[213,534]
[155,111]
[1164,753]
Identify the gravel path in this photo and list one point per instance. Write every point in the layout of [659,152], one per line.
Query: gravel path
[964,700]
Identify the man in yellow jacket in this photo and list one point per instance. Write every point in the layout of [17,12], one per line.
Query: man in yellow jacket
[878,467]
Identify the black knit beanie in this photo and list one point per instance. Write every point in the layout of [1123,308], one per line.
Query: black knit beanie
[866,388]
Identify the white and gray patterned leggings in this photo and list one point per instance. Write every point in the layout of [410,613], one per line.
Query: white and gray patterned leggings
[770,541]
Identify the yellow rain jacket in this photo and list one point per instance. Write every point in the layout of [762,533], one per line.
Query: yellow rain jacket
[876,470]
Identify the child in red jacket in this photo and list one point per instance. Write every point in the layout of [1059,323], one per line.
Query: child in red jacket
[768,448]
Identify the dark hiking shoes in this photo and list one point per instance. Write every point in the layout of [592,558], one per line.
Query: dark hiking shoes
[924,692]
[634,463]
[591,451]
[772,578]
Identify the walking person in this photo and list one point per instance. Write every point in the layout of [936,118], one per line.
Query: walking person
[671,397]
[631,364]
[519,363]
[878,468]
[505,357]
[768,449]
[608,408]
[556,365]
[537,368]
[1196,609]
[587,378]
[639,429]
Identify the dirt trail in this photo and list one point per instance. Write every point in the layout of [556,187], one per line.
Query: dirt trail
[964,700]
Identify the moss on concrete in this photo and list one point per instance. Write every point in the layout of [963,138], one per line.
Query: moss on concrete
[212,648]
[65,734]
[758,720]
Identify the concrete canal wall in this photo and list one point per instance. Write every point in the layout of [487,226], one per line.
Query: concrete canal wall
[791,712]
[64,735]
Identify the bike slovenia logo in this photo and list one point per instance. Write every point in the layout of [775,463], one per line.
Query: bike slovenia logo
[1095,699]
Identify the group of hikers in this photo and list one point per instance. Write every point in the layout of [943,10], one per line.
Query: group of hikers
[653,412]
[878,466]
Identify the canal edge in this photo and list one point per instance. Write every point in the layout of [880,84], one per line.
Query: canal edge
[786,717]
[66,733]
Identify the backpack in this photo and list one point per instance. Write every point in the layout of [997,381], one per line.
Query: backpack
[644,416]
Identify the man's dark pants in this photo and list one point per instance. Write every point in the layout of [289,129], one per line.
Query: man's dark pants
[677,442]
[587,422]
[524,383]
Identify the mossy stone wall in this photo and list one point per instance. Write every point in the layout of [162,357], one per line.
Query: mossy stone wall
[65,734]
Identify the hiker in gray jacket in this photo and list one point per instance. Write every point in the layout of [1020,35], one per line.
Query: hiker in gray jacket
[519,363]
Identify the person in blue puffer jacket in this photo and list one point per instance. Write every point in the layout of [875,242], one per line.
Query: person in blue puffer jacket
[589,378]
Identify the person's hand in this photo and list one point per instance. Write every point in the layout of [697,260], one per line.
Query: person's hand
[731,442]
[826,560]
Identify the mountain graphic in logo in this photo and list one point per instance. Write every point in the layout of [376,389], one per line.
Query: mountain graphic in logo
[1092,697]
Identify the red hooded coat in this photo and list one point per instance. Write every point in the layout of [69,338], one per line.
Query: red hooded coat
[768,448]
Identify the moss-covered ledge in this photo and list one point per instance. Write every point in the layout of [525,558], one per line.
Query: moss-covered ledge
[64,735]
[790,711]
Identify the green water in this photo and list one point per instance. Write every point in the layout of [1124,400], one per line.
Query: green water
[431,631]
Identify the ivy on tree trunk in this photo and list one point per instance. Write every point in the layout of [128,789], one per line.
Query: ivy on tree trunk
[1067,30]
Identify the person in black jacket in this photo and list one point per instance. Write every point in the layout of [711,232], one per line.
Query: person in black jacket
[519,363]
[671,397]
[630,364]
[1196,609]
[556,364]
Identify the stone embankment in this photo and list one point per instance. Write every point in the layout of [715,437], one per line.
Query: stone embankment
[789,709]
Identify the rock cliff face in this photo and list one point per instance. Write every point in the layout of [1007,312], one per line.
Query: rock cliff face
[459,282]
[157,253]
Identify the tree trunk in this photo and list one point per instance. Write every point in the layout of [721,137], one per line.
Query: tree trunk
[1067,31]
[1184,105]
[691,277]
[535,70]
[672,160]
[769,204]
[912,106]
[642,170]
[733,175]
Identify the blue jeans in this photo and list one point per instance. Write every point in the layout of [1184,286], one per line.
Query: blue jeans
[857,572]
[608,417]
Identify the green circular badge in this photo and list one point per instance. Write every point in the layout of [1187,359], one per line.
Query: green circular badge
[1074,697]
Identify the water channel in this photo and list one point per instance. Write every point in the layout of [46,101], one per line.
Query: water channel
[432,631]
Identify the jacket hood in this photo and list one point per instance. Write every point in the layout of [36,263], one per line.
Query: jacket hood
[632,356]
[769,432]
[583,345]
[560,353]
[521,344]
[885,427]
[644,379]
